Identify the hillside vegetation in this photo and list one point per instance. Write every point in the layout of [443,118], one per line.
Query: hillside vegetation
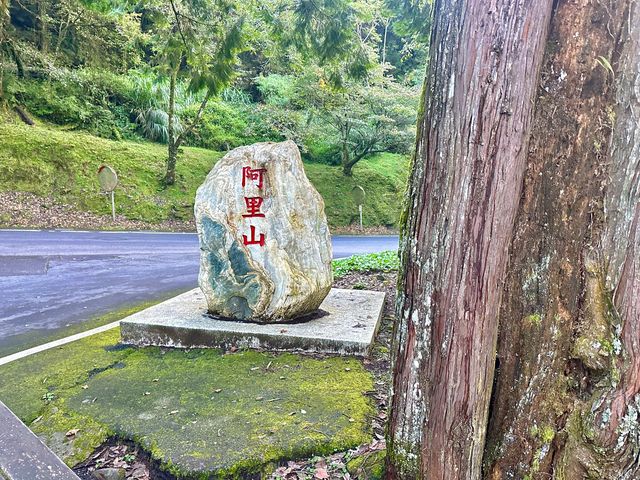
[50,161]
[158,89]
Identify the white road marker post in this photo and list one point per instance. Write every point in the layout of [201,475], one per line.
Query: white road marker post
[113,205]
[358,196]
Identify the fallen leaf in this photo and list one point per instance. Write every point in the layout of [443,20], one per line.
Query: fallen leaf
[321,474]
[173,412]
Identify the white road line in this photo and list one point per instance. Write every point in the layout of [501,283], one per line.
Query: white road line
[57,343]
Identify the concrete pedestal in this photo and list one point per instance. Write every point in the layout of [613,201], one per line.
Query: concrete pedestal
[346,323]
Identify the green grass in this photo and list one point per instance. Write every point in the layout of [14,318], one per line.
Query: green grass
[47,161]
[372,262]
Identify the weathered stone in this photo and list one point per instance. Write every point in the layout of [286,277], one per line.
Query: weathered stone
[24,456]
[287,271]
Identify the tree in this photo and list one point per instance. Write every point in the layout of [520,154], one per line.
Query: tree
[566,398]
[565,211]
[4,20]
[463,198]
[198,40]
[361,119]
[405,34]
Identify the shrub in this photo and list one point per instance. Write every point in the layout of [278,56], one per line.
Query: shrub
[223,126]
[276,89]
[373,262]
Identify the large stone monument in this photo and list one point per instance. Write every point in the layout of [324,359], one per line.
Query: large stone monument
[265,249]
[265,262]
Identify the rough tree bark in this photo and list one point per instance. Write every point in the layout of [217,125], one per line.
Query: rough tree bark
[463,199]
[566,399]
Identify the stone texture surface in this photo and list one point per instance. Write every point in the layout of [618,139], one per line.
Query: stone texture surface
[289,273]
[23,456]
[346,324]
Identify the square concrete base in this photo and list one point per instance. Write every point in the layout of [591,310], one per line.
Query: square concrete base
[346,324]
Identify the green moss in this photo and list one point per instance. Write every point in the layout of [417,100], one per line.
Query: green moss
[404,457]
[56,421]
[547,434]
[24,383]
[199,412]
[534,319]
[369,466]
[46,160]
[543,436]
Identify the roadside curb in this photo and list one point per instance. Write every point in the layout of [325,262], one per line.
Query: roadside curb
[57,343]
[23,456]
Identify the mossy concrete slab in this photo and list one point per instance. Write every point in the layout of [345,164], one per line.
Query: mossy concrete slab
[346,323]
[200,412]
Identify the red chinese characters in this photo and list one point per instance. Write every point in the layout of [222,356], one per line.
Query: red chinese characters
[253,174]
[253,205]
[253,240]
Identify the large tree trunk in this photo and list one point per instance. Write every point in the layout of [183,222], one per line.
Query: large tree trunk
[566,399]
[463,199]
[42,25]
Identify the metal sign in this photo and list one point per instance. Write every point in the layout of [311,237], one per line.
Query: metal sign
[358,194]
[108,180]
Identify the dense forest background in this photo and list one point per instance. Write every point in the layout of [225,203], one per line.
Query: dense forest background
[340,78]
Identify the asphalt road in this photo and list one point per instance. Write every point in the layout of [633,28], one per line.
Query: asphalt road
[50,280]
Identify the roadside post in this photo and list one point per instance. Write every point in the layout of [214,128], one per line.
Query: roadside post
[358,196]
[108,180]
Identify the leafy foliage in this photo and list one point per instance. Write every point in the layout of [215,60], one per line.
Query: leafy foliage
[328,74]
[361,119]
[373,262]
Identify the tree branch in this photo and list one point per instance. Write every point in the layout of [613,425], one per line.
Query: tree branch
[195,121]
[177,15]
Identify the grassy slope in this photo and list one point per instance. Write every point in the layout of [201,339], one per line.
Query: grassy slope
[51,161]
